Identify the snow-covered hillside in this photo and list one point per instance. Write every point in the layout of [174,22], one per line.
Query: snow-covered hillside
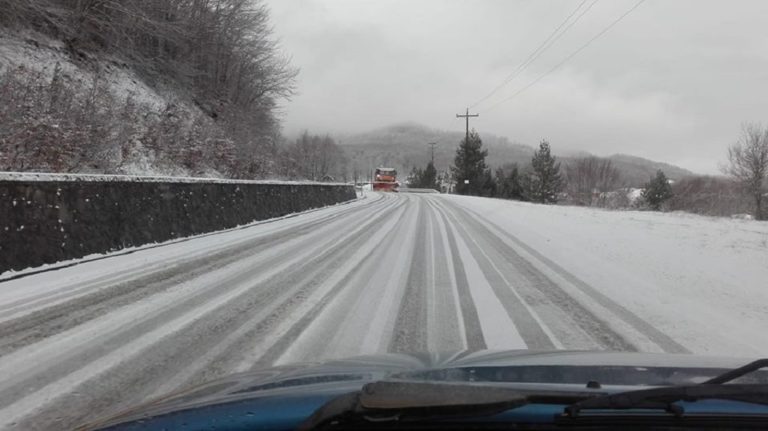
[35,51]
[135,140]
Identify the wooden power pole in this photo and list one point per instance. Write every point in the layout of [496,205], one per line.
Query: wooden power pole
[432,145]
[466,116]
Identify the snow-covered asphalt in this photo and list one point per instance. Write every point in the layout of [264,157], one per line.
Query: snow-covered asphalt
[387,273]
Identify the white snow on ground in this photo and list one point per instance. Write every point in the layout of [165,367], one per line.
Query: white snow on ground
[498,328]
[394,272]
[701,280]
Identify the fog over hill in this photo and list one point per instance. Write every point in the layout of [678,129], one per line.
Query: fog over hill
[405,145]
[637,170]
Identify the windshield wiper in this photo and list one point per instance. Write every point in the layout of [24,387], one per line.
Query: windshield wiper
[738,372]
[404,401]
[664,398]
[423,401]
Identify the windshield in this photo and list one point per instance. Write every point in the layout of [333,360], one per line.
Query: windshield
[191,189]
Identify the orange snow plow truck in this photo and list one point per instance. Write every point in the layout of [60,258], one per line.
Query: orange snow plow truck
[385,180]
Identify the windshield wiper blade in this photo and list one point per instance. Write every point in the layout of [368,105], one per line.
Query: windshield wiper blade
[421,401]
[665,398]
[738,372]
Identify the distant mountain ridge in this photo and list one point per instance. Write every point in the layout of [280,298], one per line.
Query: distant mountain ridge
[637,170]
[405,145]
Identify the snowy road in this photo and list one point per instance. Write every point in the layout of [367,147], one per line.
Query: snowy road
[386,273]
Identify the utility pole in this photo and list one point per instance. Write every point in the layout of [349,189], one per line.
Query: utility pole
[466,116]
[432,145]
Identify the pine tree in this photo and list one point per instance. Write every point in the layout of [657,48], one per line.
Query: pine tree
[414,178]
[469,165]
[657,191]
[488,186]
[509,185]
[545,182]
[424,179]
[429,177]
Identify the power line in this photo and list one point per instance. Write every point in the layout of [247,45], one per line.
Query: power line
[573,54]
[546,44]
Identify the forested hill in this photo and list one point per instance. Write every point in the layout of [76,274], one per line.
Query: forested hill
[637,170]
[140,86]
[404,146]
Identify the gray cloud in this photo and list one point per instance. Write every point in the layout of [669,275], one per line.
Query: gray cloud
[672,82]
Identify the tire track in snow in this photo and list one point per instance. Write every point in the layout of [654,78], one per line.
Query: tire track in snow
[207,348]
[499,330]
[38,296]
[530,278]
[47,302]
[111,331]
[119,343]
[246,343]
[326,326]
[57,318]
[527,323]
[615,341]
[446,324]
[410,333]
[474,333]
[402,273]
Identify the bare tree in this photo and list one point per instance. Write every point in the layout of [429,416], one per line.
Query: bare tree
[220,51]
[590,178]
[748,163]
[710,195]
[314,157]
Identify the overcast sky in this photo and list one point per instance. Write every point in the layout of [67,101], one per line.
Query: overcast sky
[673,81]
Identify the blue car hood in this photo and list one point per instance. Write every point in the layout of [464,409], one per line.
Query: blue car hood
[319,381]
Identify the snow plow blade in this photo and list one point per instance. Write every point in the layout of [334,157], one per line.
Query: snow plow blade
[385,187]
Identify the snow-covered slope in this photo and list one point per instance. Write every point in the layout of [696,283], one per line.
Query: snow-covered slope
[40,53]
[38,60]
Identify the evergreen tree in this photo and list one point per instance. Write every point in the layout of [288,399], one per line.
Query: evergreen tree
[657,191]
[429,177]
[545,181]
[509,185]
[488,186]
[424,179]
[469,165]
[414,178]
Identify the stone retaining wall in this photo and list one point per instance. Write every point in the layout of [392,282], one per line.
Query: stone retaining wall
[49,221]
